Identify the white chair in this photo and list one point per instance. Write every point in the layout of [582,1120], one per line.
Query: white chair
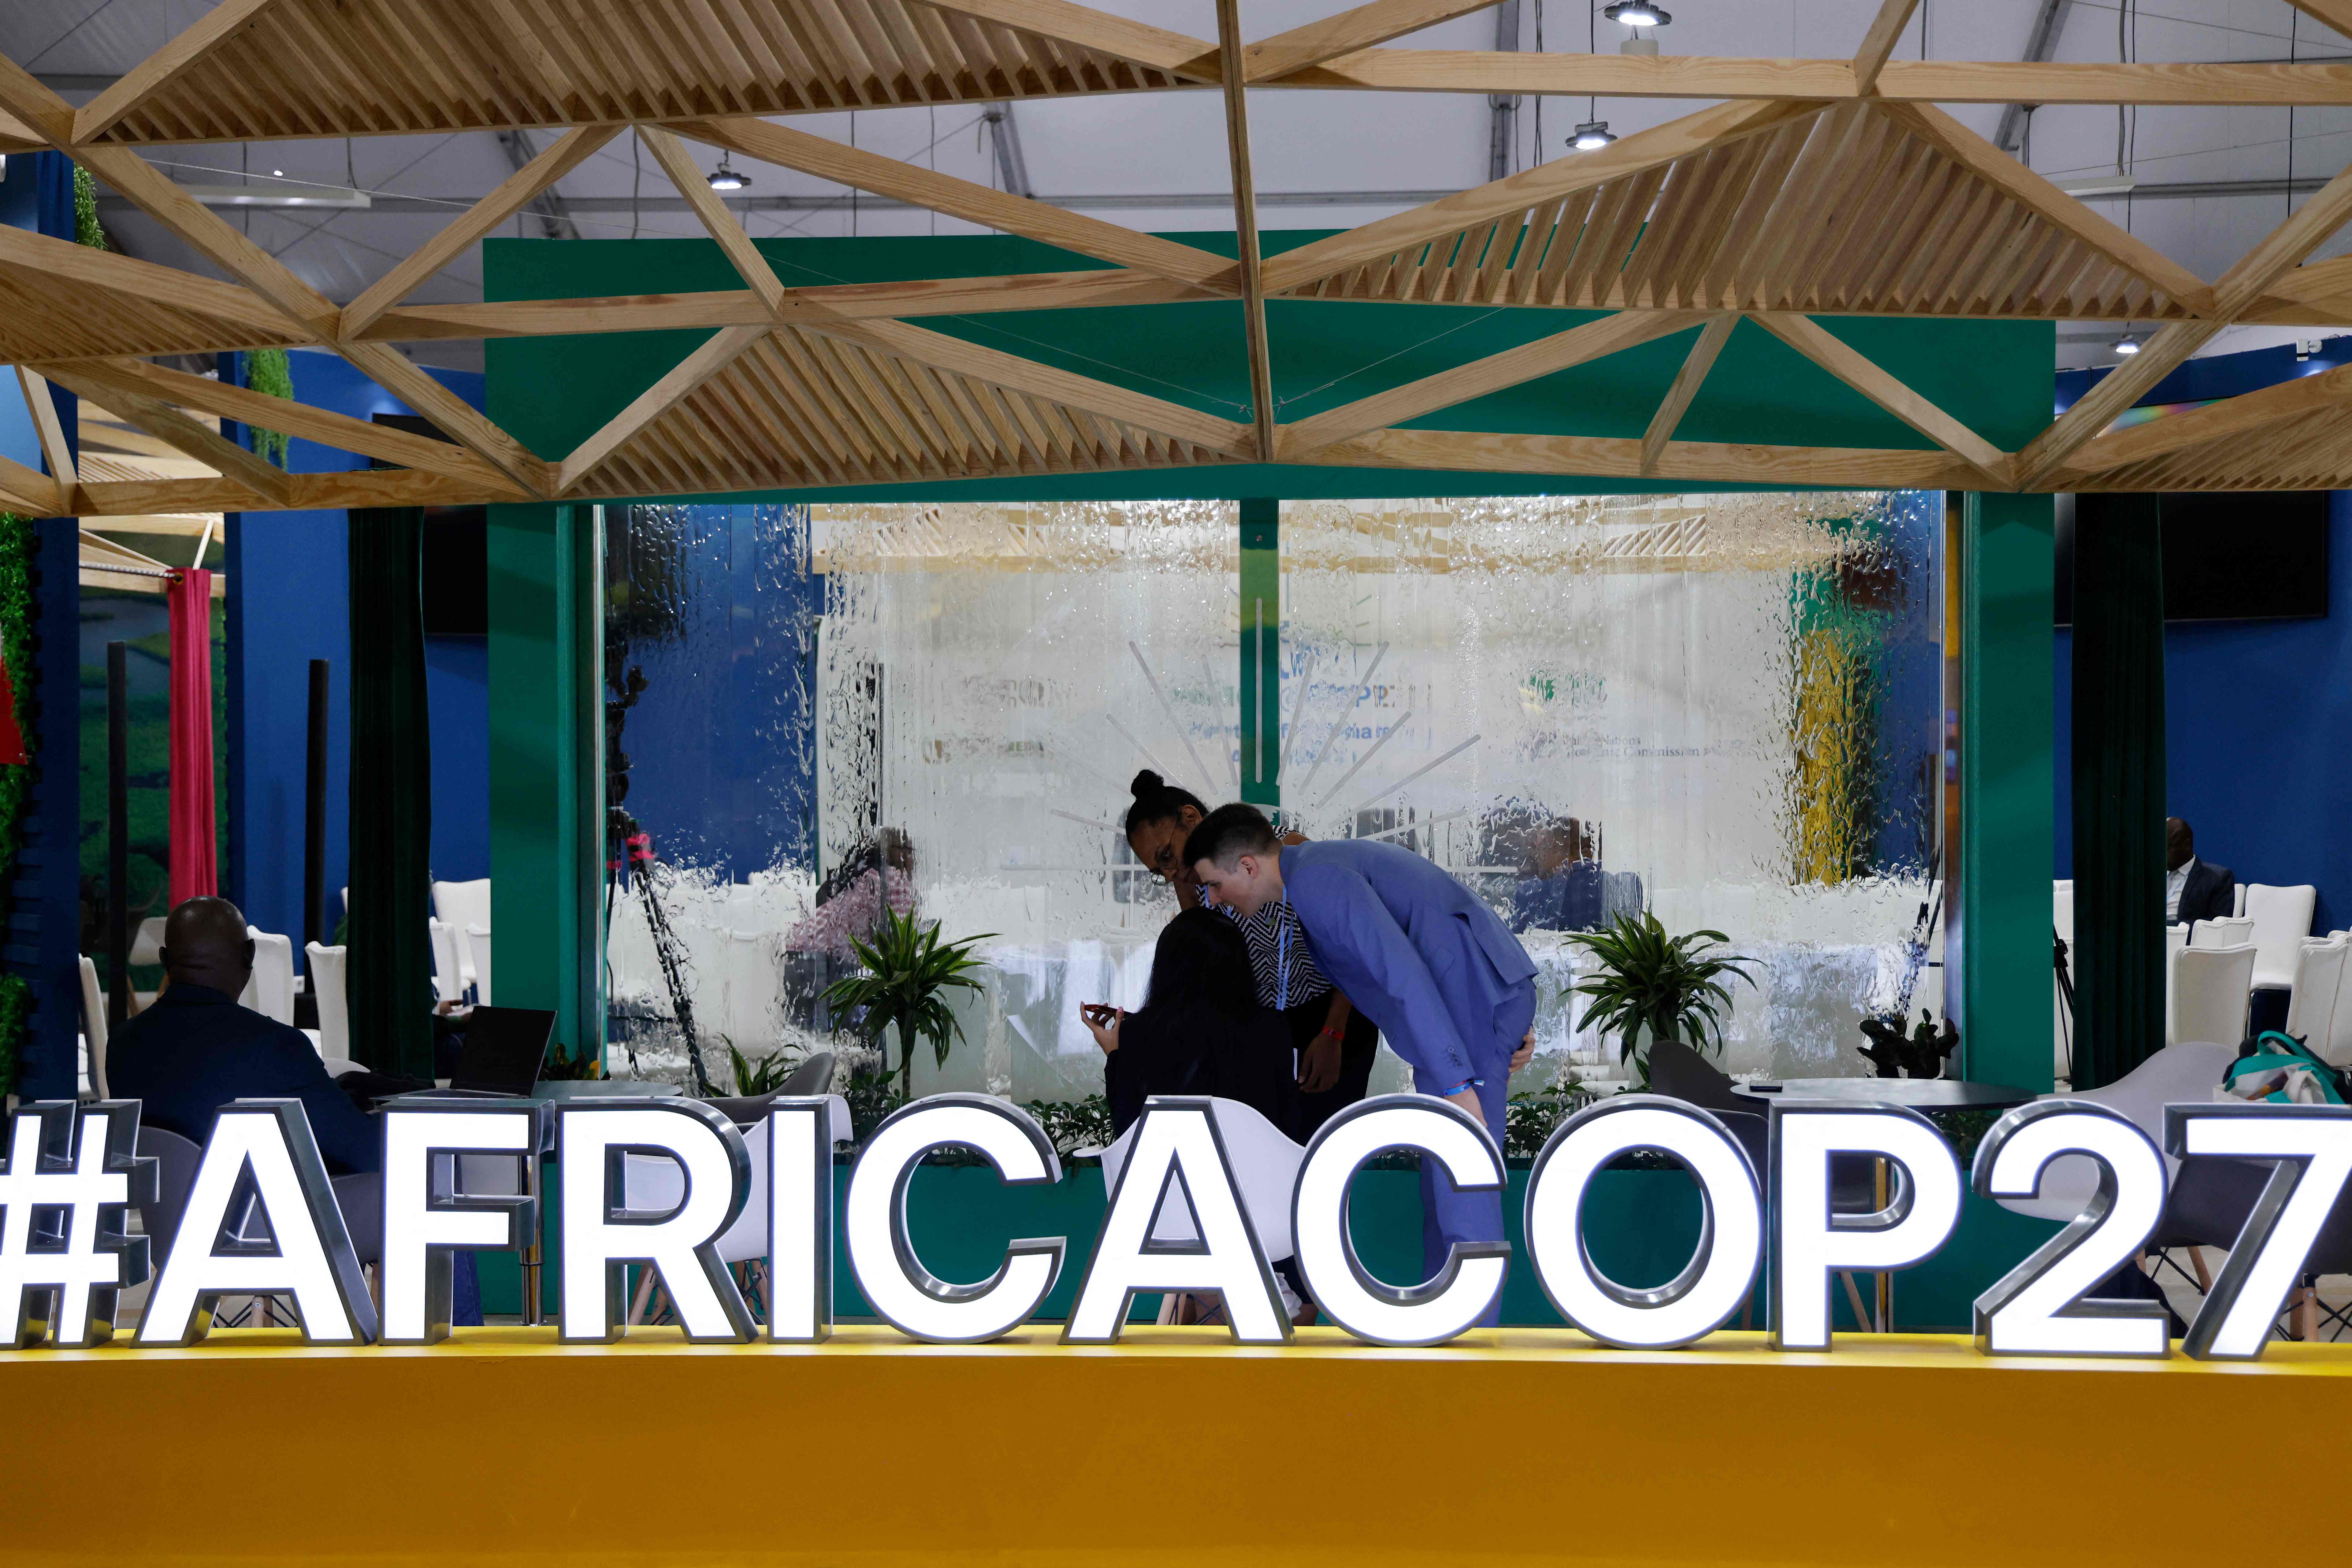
[2337,1048]
[2205,993]
[449,975]
[270,991]
[2233,933]
[478,940]
[2318,979]
[2282,918]
[1266,1167]
[459,905]
[147,943]
[93,1029]
[326,966]
[2177,1075]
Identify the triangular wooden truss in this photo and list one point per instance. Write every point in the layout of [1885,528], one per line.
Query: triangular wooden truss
[1814,188]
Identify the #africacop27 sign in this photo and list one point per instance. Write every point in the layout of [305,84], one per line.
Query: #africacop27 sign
[71,1176]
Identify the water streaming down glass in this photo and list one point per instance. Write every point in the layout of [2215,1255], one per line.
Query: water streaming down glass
[1736,697]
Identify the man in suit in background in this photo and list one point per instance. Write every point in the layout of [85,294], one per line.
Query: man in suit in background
[1418,954]
[2194,890]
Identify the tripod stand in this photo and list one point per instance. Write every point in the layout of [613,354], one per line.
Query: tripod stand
[2066,998]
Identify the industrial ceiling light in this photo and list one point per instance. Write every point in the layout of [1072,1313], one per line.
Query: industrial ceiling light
[1590,136]
[2126,345]
[723,178]
[1635,13]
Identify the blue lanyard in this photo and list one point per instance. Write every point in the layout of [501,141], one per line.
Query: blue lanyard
[1282,955]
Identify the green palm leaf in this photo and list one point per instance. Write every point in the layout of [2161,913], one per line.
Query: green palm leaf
[906,974]
[1661,986]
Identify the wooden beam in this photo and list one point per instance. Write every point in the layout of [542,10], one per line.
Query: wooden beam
[30,493]
[41,111]
[2215,422]
[41,401]
[2046,201]
[1237,151]
[719,351]
[1347,33]
[961,198]
[1015,373]
[2316,281]
[1179,54]
[159,70]
[1593,339]
[1814,341]
[306,492]
[515,192]
[1878,43]
[256,408]
[1687,381]
[148,188]
[1474,452]
[2221,83]
[450,414]
[720,222]
[165,422]
[1527,189]
[143,280]
[740,307]
[2336,14]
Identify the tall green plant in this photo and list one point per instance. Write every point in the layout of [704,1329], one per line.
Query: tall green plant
[908,972]
[18,541]
[268,372]
[1668,988]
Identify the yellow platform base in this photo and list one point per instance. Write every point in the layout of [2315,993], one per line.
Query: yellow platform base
[1519,1446]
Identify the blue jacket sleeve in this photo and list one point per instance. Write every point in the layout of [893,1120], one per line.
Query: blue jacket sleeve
[347,1138]
[1360,945]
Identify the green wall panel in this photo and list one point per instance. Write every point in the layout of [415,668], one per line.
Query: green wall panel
[2006,700]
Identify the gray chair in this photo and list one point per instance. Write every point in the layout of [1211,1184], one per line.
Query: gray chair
[814,1075]
[743,1110]
[359,1197]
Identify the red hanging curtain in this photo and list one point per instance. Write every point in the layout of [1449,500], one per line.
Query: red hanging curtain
[195,869]
[12,739]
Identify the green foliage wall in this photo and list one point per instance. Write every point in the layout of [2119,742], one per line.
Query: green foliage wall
[18,542]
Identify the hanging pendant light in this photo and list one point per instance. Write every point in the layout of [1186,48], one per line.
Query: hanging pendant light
[724,178]
[2126,345]
[1590,136]
[1636,13]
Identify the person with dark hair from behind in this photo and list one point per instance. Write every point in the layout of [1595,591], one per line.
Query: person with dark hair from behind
[196,1049]
[1335,1044]
[1434,968]
[2194,890]
[1200,1029]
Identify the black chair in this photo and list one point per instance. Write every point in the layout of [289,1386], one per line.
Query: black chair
[814,1075]
[1679,1072]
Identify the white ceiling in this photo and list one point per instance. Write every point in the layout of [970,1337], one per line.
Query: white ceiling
[1323,159]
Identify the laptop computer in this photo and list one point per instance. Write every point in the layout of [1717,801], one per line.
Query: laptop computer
[503,1050]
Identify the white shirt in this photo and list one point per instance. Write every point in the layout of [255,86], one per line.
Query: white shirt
[2173,882]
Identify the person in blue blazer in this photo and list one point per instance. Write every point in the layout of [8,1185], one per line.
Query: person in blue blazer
[1417,952]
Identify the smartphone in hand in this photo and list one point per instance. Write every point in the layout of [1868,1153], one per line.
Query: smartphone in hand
[1099,1013]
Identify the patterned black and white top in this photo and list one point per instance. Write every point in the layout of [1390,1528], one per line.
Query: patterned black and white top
[1263,932]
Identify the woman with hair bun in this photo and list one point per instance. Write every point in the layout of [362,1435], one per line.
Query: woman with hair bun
[1157,822]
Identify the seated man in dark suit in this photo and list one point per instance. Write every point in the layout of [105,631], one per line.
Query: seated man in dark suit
[2194,890]
[196,1049]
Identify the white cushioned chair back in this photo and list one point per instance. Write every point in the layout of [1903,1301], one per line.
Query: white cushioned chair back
[326,967]
[2338,1045]
[147,942]
[448,979]
[2206,992]
[270,992]
[2177,1075]
[2282,918]
[2176,936]
[478,941]
[459,905]
[1266,1167]
[93,1026]
[2233,933]
[2318,976]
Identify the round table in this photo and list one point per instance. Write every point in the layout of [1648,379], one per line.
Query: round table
[1929,1094]
[1923,1094]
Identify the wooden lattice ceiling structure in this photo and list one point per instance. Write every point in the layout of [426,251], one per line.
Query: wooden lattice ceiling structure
[1813,188]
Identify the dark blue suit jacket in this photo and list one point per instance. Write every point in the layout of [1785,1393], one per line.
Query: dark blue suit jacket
[1415,950]
[195,1050]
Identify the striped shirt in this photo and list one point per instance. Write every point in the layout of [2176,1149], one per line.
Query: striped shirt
[1264,931]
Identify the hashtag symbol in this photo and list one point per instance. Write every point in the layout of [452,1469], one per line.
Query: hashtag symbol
[64,1256]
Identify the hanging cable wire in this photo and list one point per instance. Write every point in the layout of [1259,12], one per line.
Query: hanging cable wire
[637,177]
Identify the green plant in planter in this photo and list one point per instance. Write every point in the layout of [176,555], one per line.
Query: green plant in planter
[764,1076]
[1658,986]
[908,975]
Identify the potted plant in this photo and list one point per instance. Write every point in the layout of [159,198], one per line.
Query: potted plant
[907,976]
[1657,987]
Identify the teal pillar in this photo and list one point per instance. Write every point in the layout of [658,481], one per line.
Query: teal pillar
[2002,936]
[547,780]
[1261,652]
